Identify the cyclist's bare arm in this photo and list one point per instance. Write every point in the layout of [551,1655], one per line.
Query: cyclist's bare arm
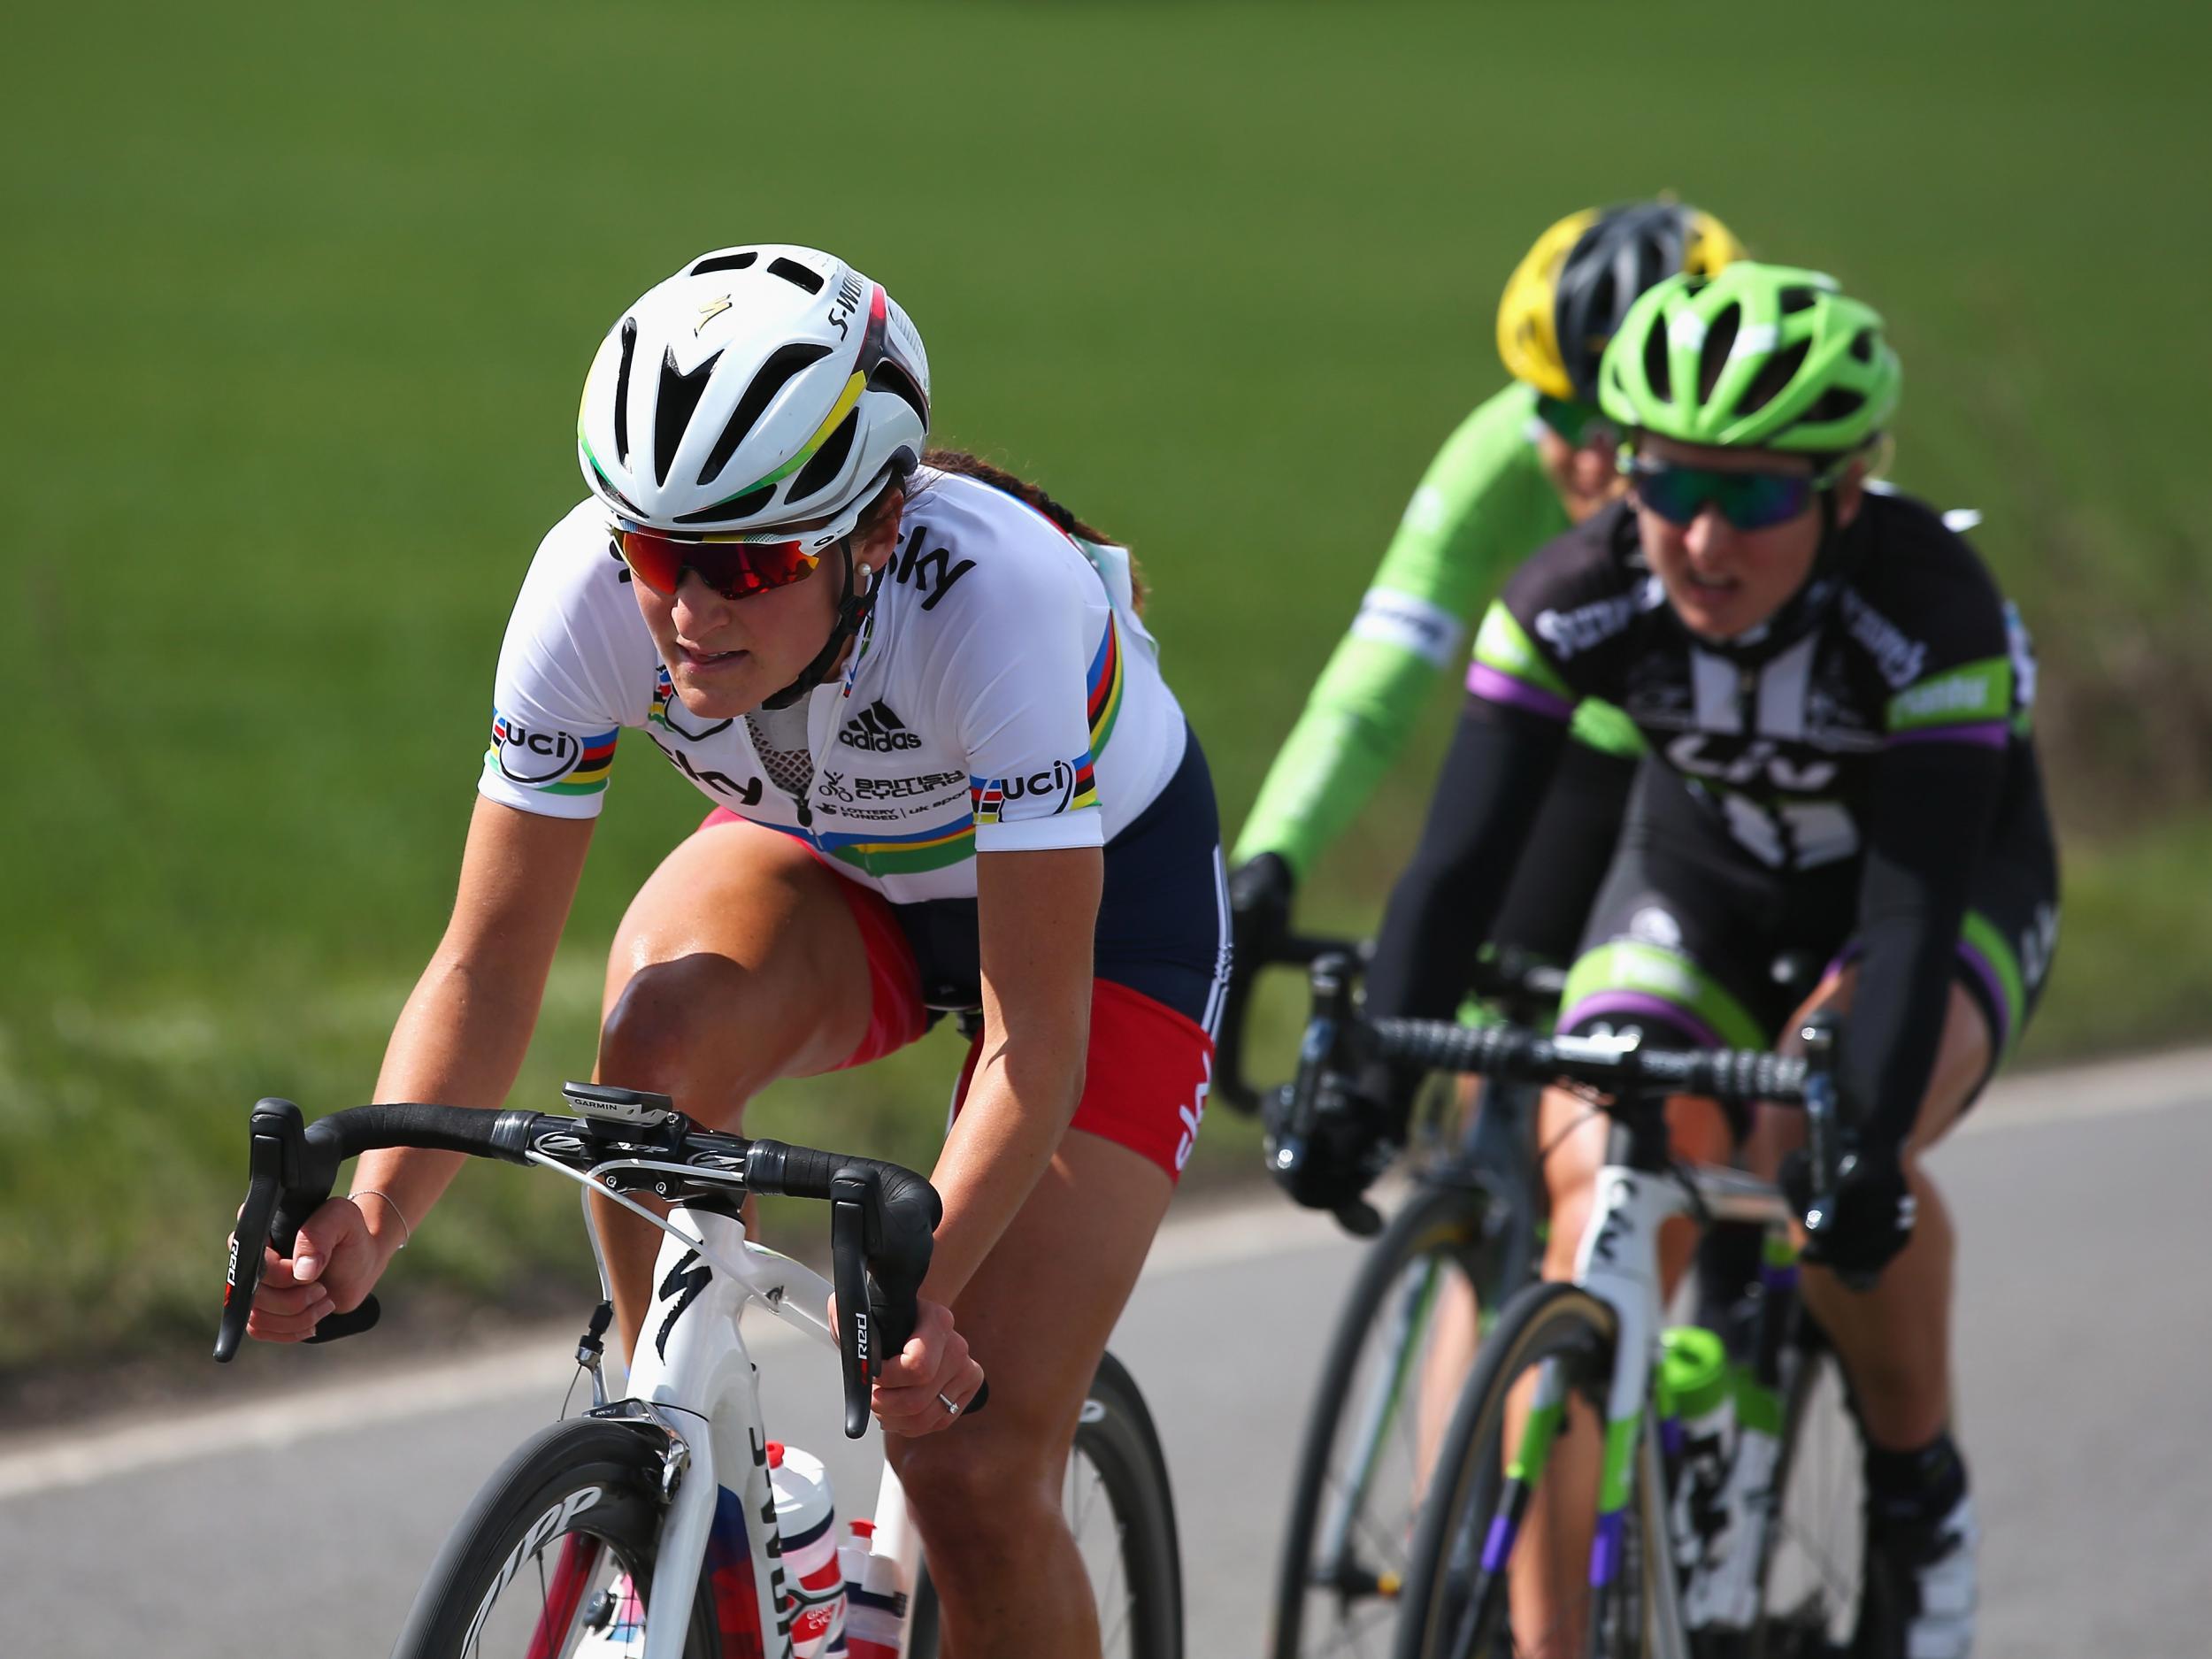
[458,1042]
[1037,913]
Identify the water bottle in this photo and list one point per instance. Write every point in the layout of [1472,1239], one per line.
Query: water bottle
[806,1520]
[1725,1593]
[1694,1376]
[875,1606]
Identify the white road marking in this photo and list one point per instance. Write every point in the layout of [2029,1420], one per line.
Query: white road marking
[1214,1234]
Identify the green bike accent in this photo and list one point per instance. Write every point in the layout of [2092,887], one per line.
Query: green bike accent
[1620,1459]
[1757,1406]
[1841,389]
[1628,967]
[1693,1367]
[1537,1435]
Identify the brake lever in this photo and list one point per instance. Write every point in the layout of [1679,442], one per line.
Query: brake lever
[849,1275]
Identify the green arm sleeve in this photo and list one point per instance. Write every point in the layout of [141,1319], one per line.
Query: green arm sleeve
[1484,505]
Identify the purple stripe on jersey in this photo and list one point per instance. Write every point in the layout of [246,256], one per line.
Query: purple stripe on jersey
[1986,733]
[1977,963]
[1607,1548]
[1498,687]
[1644,1006]
[1993,988]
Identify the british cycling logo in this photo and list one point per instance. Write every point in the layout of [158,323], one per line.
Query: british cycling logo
[533,757]
[834,784]
[1039,795]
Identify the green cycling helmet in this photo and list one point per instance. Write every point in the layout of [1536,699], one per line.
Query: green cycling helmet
[1754,356]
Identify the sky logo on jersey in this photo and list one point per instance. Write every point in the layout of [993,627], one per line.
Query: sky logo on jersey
[542,757]
[1066,785]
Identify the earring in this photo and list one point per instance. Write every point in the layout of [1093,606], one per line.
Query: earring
[864,577]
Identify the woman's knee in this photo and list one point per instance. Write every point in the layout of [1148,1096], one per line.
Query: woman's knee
[977,1492]
[659,1031]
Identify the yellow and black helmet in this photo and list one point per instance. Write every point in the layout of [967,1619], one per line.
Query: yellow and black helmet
[1569,294]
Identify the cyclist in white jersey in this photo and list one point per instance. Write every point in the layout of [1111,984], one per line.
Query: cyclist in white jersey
[946,774]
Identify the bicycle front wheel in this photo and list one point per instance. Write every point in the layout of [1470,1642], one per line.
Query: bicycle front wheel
[1504,1562]
[554,1558]
[1813,1600]
[1402,1348]
[1122,1513]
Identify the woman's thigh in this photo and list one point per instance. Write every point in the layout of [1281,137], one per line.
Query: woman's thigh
[1963,1064]
[738,962]
[1037,1315]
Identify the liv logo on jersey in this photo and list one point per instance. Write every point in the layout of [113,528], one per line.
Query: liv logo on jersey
[878,730]
[556,760]
[1065,786]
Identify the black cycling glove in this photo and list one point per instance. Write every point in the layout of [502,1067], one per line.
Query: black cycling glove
[1259,911]
[1329,1162]
[1870,1220]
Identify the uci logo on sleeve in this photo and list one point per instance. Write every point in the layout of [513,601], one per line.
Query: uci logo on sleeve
[1062,787]
[546,758]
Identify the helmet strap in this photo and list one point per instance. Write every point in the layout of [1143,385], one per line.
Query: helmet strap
[852,609]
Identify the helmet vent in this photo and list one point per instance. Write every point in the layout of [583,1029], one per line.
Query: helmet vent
[1781,370]
[889,377]
[1837,402]
[726,262]
[828,462]
[775,374]
[1658,370]
[738,507]
[792,271]
[1720,340]
[1862,345]
[680,395]
[1793,299]
[622,391]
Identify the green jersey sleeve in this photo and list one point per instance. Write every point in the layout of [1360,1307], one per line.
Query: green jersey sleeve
[1484,505]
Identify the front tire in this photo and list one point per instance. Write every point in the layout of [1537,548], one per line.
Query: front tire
[537,1562]
[1362,1467]
[1488,1563]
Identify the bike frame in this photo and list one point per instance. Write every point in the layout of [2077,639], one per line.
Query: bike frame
[694,1380]
[1618,1262]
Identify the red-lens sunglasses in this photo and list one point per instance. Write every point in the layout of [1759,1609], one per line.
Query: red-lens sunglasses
[735,570]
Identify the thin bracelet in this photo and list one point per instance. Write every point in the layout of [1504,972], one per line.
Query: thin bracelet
[371,1191]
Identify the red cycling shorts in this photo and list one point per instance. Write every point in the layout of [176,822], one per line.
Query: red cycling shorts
[1147,1066]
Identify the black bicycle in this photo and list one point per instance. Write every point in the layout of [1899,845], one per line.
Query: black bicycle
[1465,1238]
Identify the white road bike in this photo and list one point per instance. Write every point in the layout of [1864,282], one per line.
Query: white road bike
[1764,1564]
[646,1527]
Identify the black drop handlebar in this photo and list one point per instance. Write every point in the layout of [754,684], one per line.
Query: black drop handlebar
[883,1216]
[1340,1043]
[1524,988]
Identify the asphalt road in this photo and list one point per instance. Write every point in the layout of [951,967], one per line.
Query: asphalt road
[300,1524]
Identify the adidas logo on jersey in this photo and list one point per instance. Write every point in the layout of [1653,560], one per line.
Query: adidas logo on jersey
[876,729]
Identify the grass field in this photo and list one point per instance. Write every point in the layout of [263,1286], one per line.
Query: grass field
[300,299]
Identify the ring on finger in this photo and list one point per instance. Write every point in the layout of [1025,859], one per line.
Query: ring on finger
[950,1405]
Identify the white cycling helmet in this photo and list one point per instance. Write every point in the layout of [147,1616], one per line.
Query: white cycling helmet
[756,387]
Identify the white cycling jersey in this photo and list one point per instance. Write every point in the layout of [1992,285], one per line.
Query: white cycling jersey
[1002,695]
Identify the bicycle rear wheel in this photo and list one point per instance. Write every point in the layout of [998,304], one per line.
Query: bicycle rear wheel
[1122,1512]
[554,1557]
[1502,1561]
[1373,1428]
